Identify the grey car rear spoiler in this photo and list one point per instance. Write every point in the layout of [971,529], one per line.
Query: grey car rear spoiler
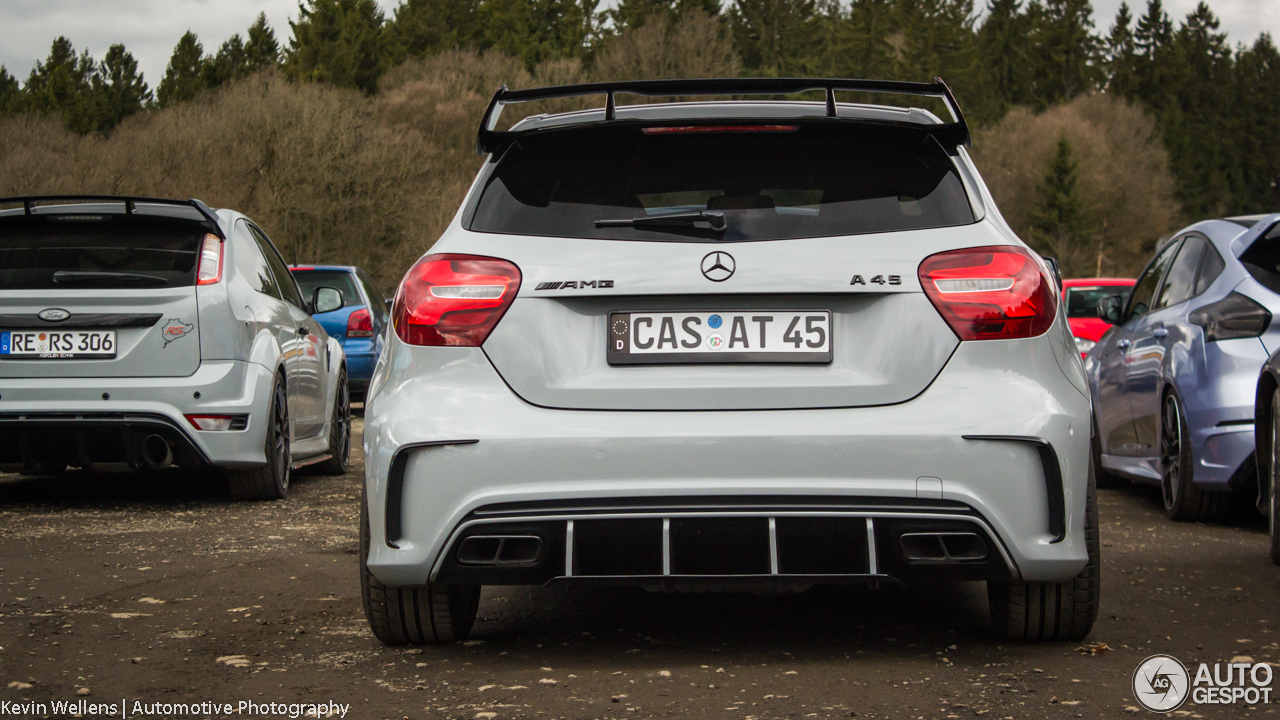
[130,205]
[949,135]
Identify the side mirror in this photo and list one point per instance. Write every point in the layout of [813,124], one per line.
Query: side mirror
[325,299]
[1109,309]
[1053,267]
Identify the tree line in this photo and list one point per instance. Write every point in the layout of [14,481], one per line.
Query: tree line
[1214,104]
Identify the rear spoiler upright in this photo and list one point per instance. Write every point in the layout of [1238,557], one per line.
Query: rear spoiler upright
[130,205]
[949,134]
[1268,228]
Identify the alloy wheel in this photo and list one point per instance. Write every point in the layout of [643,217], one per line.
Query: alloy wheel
[1171,451]
[343,412]
[278,437]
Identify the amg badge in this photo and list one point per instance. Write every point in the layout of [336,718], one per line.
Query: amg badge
[575,285]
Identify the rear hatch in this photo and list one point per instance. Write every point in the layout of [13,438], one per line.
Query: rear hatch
[805,238]
[93,291]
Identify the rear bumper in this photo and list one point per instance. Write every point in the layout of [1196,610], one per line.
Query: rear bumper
[1220,410]
[84,417]
[762,541]
[360,364]
[447,440]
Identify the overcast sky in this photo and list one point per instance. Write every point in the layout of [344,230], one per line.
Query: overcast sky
[150,28]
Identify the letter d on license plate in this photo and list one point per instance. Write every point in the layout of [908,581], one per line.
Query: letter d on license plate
[736,336]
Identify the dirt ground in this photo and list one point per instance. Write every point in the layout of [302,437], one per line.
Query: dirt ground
[160,590]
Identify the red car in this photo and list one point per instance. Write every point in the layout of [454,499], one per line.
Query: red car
[1081,297]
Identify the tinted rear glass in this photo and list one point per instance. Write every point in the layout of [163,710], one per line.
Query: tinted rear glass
[343,282]
[45,255]
[813,181]
[1082,302]
[1262,260]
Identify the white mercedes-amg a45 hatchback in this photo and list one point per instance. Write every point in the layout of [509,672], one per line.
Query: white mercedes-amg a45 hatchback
[755,345]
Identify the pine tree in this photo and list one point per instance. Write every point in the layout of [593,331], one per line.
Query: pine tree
[937,38]
[1066,52]
[1057,221]
[1256,96]
[340,42]
[1153,40]
[425,27]
[261,50]
[1122,71]
[773,37]
[538,30]
[62,84]
[1002,50]
[231,63]
[864,40]
[119,88]
[11,100]
[1196,123]
[633,13]
[184,77]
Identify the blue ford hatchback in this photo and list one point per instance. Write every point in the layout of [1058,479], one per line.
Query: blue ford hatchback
[1174,381]
[358,324]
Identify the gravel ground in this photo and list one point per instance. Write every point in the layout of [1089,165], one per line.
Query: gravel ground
[159,590]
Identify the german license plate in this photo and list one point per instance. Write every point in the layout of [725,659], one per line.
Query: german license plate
[57,345]
[737,336]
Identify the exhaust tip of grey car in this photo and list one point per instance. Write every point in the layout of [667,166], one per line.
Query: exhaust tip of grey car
[156,452]
[500,550]
[943,547]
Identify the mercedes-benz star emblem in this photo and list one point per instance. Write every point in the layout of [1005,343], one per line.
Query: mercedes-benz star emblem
[718,266]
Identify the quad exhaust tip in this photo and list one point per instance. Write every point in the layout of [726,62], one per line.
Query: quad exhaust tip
[943,547]
[500,550]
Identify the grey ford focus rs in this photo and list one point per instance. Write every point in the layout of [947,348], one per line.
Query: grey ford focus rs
[139,333]
[736,345]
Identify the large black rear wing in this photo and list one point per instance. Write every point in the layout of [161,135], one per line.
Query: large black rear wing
[949,134]
[130,205]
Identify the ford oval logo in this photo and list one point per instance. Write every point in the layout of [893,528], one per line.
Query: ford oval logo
[54,315]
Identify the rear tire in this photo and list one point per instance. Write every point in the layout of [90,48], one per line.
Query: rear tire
[271,481]
[1274,492]
[1047,610]
[1183,500]
[339,432]
[429,615]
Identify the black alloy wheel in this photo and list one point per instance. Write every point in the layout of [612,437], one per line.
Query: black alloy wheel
[271,481]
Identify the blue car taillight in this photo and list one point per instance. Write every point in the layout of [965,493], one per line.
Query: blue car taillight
[1234,316]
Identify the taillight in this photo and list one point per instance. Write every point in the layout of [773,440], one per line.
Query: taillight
[1234,316]
[1001,292]
[453,299]
[210,260]
[219,422]
[360,324]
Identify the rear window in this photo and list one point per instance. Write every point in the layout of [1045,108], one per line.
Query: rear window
[1082,302]
[800,181]
[78,252]
[343,282]
[1262,259]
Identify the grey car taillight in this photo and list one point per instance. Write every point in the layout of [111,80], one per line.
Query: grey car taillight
[1234,316]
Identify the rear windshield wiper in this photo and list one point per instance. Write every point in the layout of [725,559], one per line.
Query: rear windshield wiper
[87,277]
[713,218]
